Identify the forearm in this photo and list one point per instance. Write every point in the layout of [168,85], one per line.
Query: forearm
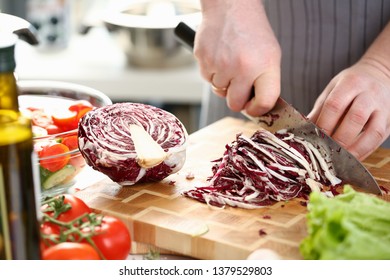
[378,54]
[218,4]
[229,8]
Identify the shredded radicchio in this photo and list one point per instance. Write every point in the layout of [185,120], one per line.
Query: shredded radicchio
[263,169]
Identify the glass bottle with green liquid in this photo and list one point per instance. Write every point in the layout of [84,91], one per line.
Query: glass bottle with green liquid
[19,208]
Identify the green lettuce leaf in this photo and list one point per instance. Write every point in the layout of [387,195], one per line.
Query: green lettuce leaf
[350,226]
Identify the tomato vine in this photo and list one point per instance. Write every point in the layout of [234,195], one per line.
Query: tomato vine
[82,228]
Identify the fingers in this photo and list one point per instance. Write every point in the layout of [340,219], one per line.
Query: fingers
[219,85]
[353,115]
[315,112]
[353,121]
[344,113]
[371,138]
[238,91]
[331,106]
[267,91]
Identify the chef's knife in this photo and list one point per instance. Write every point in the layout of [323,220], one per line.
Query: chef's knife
[284,116]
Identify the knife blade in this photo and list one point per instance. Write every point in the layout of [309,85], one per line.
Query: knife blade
[284,116]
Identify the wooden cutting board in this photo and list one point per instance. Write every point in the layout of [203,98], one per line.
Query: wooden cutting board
[158,215]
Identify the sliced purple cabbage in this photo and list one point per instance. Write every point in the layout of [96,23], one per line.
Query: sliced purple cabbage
[263,169]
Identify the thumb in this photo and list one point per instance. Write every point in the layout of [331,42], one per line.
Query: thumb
[315,112]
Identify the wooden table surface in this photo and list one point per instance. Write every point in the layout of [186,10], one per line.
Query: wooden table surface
[160,218]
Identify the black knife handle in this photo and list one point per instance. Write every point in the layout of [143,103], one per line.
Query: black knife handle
[186,36]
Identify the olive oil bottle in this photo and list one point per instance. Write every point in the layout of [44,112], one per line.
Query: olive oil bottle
[19,225]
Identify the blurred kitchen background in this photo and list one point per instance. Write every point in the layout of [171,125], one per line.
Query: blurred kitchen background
[126,49]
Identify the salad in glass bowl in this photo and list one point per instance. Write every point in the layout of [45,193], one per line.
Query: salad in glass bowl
[55,109]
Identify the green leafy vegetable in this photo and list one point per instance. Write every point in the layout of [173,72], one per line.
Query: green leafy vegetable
[352,225]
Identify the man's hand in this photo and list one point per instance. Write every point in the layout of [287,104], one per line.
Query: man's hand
[236,49]
[355,107]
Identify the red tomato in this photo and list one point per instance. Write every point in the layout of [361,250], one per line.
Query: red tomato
[53,129]
[77,106]
[113,238]
[40,118]
[65,119]
[71,142]
[81,113]
[78,208]
[81,107]
[54,164]
[70,251]
[67,208]
[38,146]
[48,228]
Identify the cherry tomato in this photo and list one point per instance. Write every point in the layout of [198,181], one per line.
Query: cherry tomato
[38,146]
[112,239]
[54,164]
[77,208]
[71,142]
[81,113]
[40,118]
[70,251]
[65,119]
[67,208]
[49,229]
[81,107]
[77,106]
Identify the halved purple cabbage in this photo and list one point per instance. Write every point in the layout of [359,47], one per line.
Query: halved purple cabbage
[263,169]
[106,143]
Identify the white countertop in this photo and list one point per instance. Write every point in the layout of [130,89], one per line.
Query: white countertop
[96,61]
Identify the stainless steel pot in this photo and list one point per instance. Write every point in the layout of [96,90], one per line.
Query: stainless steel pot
[19,26]
[62,90]
[145,31]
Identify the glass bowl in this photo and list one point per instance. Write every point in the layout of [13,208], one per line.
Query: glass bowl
[57,156]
